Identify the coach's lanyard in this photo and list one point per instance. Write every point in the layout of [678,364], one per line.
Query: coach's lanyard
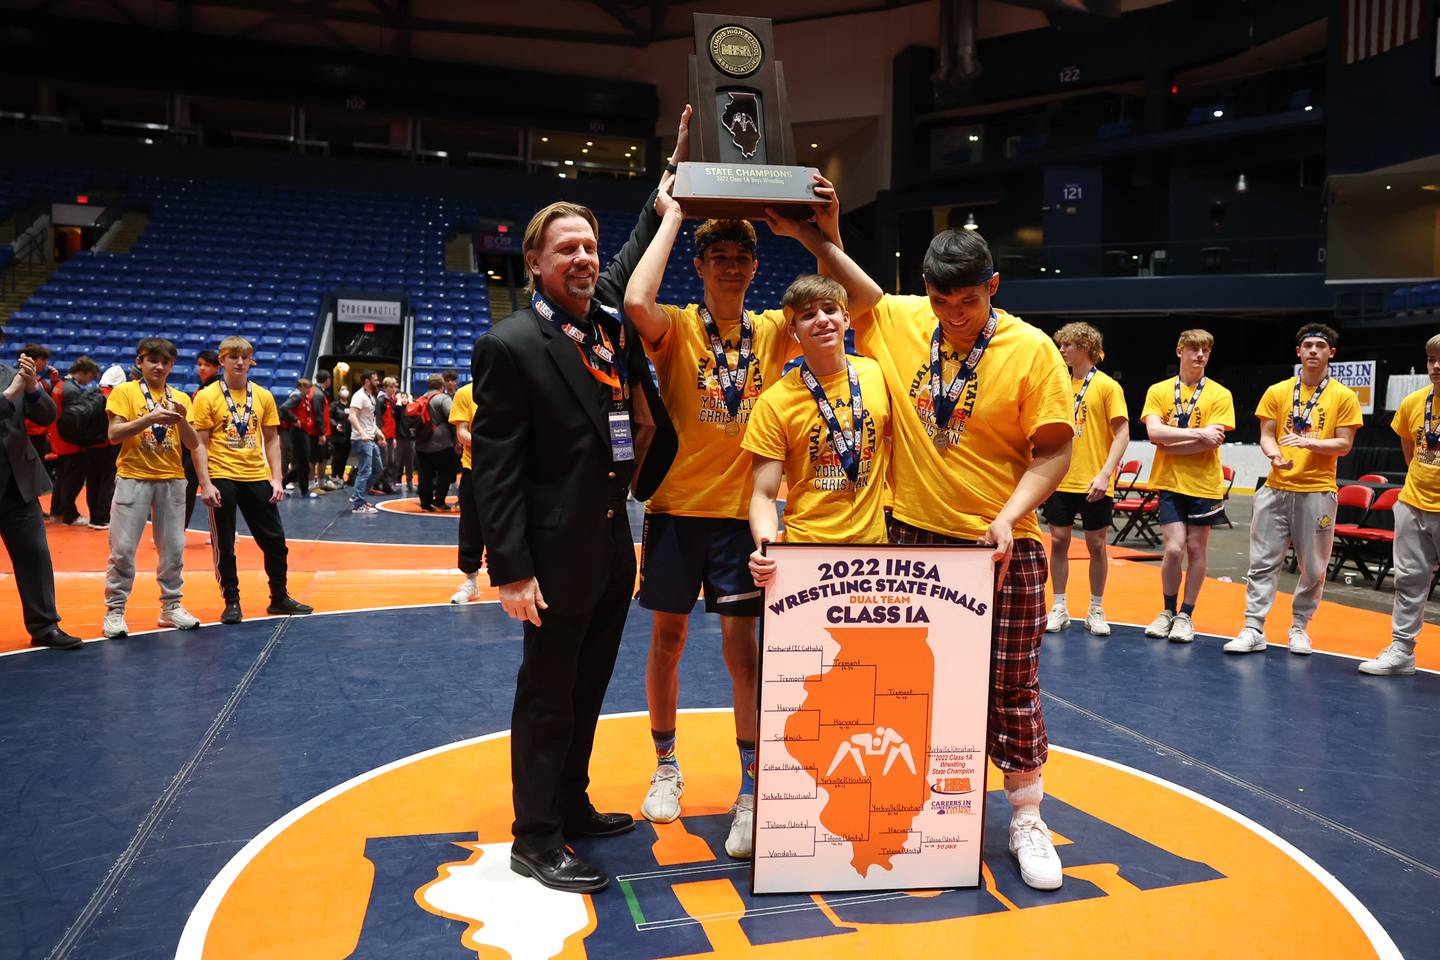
[605,362]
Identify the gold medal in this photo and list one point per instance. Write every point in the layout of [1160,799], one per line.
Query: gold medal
[941,441]
[732,428]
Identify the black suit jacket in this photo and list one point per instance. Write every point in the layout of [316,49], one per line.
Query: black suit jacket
[19,458]
[550,500]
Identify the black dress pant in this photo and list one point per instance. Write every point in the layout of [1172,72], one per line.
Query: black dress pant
[252,498]
[299,460]
[22,526]
[437,471]
[339,456]
[564,672]
[472,539]
[94,469]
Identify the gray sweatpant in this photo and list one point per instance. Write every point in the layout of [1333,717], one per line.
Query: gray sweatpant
[135,502]
[1282,517]
[1417,548]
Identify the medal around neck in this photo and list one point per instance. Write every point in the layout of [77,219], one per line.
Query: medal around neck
[741,145]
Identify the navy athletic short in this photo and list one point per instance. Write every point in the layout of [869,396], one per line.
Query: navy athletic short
[681,555]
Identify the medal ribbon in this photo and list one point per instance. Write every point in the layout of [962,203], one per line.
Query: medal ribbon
[732,385]
[241,424]
[1182,413]
[1432,434]
[1080,397]
[159,429]
[944,398]
[844,441]
[609,364]
[1301,421]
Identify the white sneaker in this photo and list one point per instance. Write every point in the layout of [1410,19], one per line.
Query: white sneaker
[178,617]
[1393,661]
[740,844]
[79,522]
[1057,620]
[1299,641]
[1182,628]
[1035,852]
[1160,626]
[1248,640]
[114,624]
[1096,624]
[662,800]
[466,593]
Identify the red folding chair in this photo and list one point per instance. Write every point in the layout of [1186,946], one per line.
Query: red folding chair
[1369,540]
[1229,475]
[1373,478]
[1138,505]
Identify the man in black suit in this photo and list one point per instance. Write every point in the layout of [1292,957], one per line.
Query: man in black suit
[567,421]
[22,480]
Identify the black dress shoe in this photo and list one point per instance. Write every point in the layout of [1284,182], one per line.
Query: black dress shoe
[559,869]
[593,823]
[428,508]
[289,606]
[57,638]
[232,612]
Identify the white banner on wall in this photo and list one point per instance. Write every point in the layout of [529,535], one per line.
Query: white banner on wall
[1358,375]
[874,687]
[368,311]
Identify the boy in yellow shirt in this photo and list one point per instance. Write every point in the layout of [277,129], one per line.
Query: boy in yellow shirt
[713,359]
[1307,423]
[982,423]
[236,471]
[472,540]
[824,428]
[1187,419]
[1102,431]
[149,421]
[1417,520]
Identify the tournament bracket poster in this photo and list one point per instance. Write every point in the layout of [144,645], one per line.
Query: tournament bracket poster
[874,695]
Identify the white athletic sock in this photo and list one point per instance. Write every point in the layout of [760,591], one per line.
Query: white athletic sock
[1096,603]
[1024,789]
[1059,601]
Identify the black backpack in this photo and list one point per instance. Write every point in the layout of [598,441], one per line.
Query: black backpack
[82,419]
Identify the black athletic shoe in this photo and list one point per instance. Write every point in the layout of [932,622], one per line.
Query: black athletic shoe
[232,612]
[289,606]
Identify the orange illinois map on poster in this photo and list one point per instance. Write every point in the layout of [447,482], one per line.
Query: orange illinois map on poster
[874,676]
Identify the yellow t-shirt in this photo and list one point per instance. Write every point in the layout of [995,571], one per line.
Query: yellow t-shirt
[232,456]
[1337,407]
[1020,385]
[1104,401]
[142,457]
[823,505]
[710,476]
[1422,480]
[462,410]
[1193,474]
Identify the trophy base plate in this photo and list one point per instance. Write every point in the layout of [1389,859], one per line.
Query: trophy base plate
[743,191]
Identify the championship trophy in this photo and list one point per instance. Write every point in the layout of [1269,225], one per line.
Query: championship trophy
[740,139]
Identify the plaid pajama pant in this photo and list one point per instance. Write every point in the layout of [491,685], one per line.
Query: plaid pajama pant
[1017,723]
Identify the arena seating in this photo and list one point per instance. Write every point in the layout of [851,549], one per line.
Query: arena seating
[222,258]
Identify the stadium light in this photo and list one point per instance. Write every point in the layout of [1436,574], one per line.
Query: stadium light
[814,146]
[569,163]
[1218,114]
[1240,185]
[970,223]
[974,138]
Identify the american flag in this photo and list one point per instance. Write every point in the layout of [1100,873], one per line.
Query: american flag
[1375,26]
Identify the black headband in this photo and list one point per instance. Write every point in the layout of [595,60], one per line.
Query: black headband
[1314,334]
[983,277]
[722,236]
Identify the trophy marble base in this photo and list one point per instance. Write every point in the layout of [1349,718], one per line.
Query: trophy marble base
[743,190]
